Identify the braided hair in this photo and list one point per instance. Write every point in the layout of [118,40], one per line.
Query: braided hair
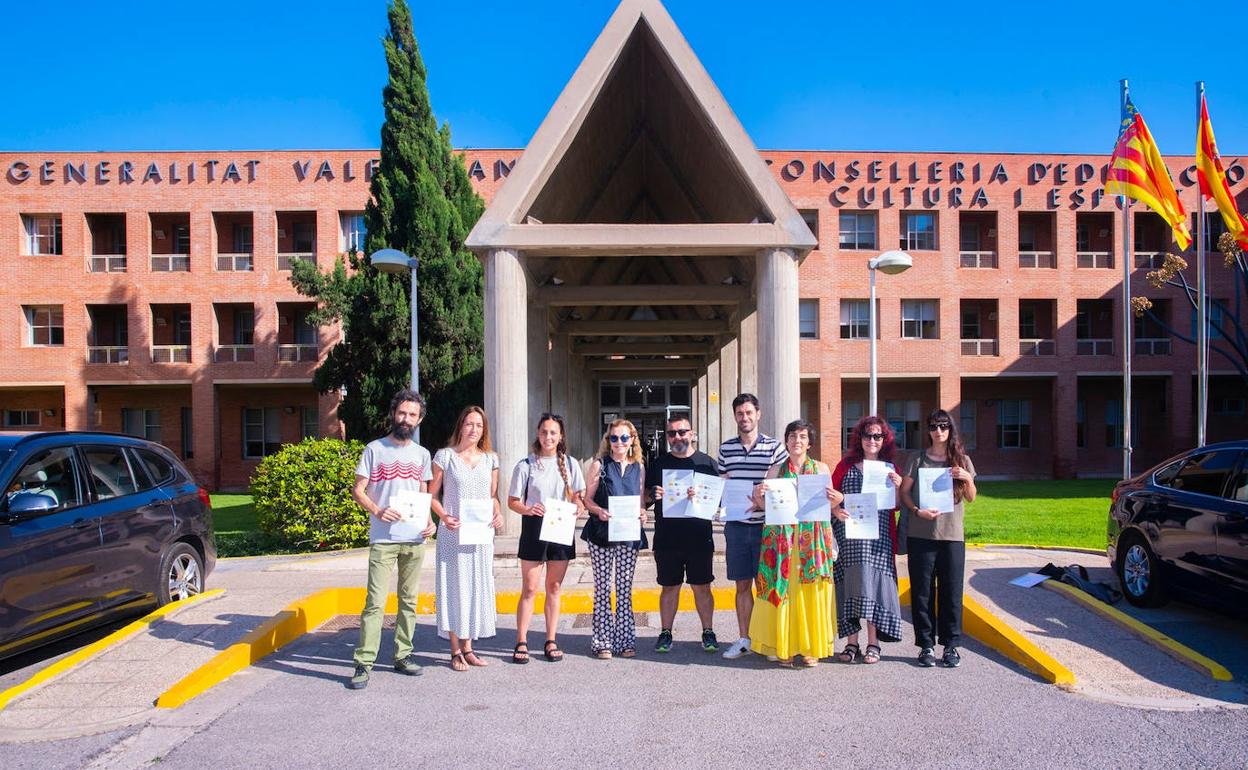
[561,451]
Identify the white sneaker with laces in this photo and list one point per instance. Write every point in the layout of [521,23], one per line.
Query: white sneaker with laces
[738,648]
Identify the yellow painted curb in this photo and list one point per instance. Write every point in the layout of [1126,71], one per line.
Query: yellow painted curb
[988,629]
[86,653]
[1149,634]
[1033,547]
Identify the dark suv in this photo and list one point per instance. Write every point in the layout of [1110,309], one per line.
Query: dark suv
[93,526]
[1181,529]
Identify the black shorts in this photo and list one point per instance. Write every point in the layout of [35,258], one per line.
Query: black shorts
[684,565]
[532,548]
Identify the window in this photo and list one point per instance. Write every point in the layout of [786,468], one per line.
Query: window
[1214,227]
[188,434]
[968,237]
[21,418]
[1227,405]
[808,318]
[855,319]
[918,231]
[1113,423]
[159,470]
[851,413]
[1238,490]
[305,237]
[1206,473]
[857,230]
[1081,423]
[181,239]
[43,234]
[309,422]
[182,327]
[144,423]
[46,324]
[1027,236]
[1083,237]
[811,218]
[1014,424]
[609,394]
[262,432]
[971,327]
[919,319]
[353,230]
[305,333]
[244,326]
[51,473]
[242,239]
[968,427]
[1027,323]
[110,470]
[1215,319]
[903,416]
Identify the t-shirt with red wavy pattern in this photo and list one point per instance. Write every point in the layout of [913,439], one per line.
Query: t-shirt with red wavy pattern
[390,467]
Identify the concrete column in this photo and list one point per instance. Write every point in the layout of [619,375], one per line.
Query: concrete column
[537,347]
[729,364]
[696,394]
[747,354]
[1065,416]
[714,396]
[506,366]
[701,409]
[779,375]
[559,373]
[590,419]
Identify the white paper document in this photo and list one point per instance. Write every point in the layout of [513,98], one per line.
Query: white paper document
[864,516]
[1029,579]
[812,498]
[936,489]
[737,499]
[559,522]
[707,491]
[875,479]
[781,501]
[676,494]
[414,508]
[475,517]
[624,526]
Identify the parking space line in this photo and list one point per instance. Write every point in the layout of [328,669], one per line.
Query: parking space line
[1178,650]
[95,648]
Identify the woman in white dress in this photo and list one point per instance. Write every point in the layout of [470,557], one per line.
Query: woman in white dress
[464,579]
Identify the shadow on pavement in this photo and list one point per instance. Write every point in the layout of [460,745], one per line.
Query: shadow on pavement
[48,654]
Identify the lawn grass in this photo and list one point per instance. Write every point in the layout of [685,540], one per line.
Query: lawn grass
[237,529]
[1070,513]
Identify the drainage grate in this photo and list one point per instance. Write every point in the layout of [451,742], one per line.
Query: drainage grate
[586,620]
[349,622]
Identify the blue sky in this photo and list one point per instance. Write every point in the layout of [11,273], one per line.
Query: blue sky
[807,74]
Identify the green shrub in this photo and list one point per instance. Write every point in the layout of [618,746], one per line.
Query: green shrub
[303,495]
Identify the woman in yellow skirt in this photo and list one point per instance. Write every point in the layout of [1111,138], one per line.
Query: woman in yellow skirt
[795,615]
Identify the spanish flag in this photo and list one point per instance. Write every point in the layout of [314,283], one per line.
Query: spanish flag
[1137,171]
[1213,177]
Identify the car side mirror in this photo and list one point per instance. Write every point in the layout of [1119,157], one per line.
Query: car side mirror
[26,504]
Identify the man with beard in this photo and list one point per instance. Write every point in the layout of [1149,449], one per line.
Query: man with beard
[391,465]
[683,548]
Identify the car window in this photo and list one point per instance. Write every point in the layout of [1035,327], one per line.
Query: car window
[1206,473]
[159,470]
[51,473]
[1238,490]
[1165,476]
[110,472]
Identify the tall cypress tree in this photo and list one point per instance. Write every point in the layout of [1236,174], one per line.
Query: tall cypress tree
[423,205]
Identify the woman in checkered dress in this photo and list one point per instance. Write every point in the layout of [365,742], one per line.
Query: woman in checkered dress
[865,572]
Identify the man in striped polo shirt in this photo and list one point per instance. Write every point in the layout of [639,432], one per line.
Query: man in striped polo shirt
[747,456]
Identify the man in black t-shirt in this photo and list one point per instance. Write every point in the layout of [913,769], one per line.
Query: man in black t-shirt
[683,548]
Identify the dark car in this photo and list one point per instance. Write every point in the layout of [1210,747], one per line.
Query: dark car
[1181,529]
[94,526]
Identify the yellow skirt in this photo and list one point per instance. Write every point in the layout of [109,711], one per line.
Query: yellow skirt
[804,622]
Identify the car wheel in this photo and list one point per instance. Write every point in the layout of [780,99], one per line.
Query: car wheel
[181,574]
[1139,571]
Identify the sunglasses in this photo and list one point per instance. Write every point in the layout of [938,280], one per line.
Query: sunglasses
[873,436]
[938,426]
[678,432]
[624,439]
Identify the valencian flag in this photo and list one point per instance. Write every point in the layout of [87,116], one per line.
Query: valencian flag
[1213,177]
[1137,171]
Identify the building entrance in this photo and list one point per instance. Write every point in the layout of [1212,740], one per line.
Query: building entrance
[644,403]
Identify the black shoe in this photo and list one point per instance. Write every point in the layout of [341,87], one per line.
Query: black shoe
[709,642]
[927,658]
[951,658]
[408,666]
[664,644]
[359,680]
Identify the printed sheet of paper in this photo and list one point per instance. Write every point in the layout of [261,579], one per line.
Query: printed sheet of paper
[812,498]
[624,526]
[474,521]
[864,516]
[737,499]
[559,522]
[781,501]
[875,479]
[414,508]
[676,494]
[707,491]
[1029,579]
[936,489]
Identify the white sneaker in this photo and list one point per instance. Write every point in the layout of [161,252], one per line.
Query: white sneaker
[738,648]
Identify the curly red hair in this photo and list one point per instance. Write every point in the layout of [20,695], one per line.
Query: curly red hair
[888,450]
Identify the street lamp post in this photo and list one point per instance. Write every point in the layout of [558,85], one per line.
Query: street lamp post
[890,263]
[395,261]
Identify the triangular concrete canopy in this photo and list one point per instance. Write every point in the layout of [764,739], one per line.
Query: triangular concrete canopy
[746,210]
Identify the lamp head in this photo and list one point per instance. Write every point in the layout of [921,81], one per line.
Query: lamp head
[390,261]
[891,262]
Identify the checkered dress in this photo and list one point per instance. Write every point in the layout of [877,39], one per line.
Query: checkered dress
[866,575]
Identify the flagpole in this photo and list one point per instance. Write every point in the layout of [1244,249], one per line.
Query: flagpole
[1126,317]
[1202,311]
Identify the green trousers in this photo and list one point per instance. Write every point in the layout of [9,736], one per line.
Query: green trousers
[382,557]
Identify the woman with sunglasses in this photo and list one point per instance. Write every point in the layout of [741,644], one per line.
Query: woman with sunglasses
[865,571]
[548,473]
[936,544]
[617,471]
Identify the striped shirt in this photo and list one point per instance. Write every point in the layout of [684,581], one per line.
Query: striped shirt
[736,463]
